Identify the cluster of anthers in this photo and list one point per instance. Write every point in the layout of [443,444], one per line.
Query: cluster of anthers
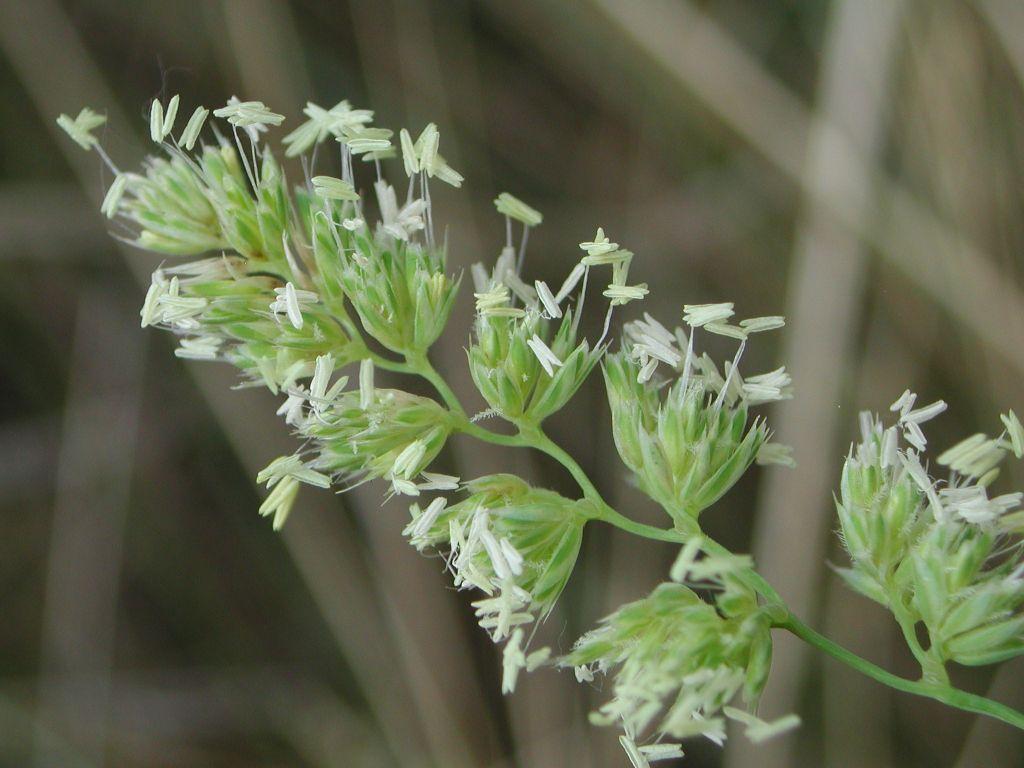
[295,284]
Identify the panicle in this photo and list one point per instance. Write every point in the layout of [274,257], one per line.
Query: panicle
[274,272]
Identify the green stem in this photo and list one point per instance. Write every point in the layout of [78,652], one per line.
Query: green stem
[946,694]
[387,365]
[932,668]
[613,517]
[421,365]
[534,437]
[752,577]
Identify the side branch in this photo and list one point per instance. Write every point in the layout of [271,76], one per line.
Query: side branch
[533,437]
[953,697]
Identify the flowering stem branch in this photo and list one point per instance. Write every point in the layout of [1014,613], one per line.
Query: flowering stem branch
[387,365]
[421,365]
[932,687]
[935,684]
[475,430]
[945,693]
[533,436]
[752,577]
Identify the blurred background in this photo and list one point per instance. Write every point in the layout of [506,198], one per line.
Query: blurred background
[857,165]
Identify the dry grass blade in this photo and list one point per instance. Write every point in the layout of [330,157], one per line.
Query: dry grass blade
[923,247]
[84,561]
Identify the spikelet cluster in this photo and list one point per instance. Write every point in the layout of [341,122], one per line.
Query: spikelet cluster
[688,437]
[526,358]
[678,661]
[505,537]
[945,553]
